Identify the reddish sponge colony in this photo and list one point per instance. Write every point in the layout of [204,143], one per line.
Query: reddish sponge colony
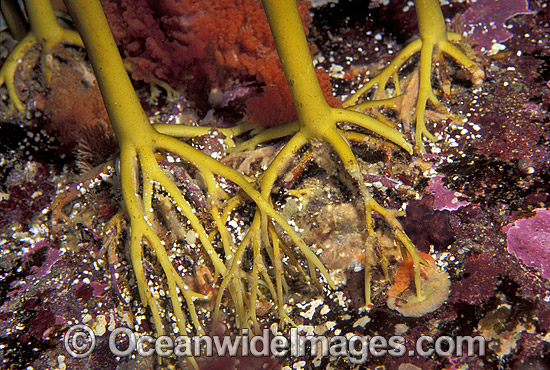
[203,45]
[275,107]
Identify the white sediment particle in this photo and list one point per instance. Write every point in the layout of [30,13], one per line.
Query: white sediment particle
[362,321]
[309,313]
[341,299]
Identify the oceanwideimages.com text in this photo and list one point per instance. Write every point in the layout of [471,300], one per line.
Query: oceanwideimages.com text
[80,342]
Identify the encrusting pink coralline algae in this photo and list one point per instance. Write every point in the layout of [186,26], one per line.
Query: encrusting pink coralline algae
[529,240]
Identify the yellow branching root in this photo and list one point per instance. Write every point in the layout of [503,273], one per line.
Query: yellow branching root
[44,31]
[162,211]
[317,121]
[434,40]
[144,180]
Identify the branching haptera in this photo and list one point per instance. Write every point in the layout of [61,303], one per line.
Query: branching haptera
[44,30]
[317,121]
[172,217]
[433,41]
[144,180]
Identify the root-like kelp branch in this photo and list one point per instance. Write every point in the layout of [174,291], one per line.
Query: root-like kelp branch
[44,31]
[318,121]
[434,40]
[164,208]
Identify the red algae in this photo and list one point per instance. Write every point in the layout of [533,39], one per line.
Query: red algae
[529,240]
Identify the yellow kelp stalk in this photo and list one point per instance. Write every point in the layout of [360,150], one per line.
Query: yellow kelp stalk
[140,173]
[434,39]
[317,121]
[44,31]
